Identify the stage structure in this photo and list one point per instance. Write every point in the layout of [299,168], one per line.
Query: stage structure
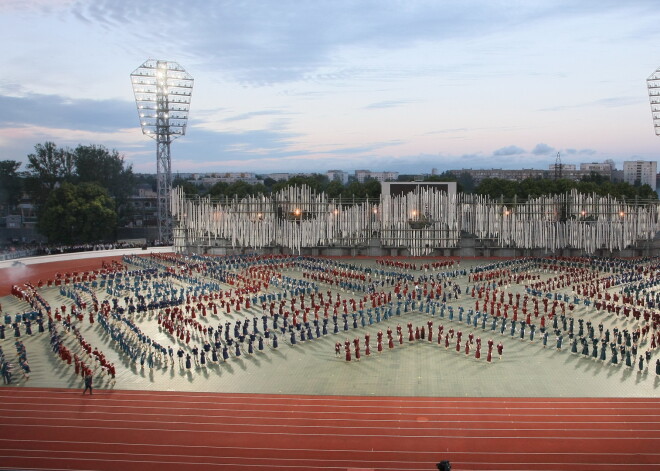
[653,84]
[163,91]
[298,220]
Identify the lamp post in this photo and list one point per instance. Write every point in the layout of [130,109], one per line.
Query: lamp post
[162,92]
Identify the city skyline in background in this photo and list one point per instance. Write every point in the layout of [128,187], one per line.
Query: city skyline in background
[307,87]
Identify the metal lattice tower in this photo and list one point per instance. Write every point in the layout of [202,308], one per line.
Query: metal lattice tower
[558,167]
[653,84]
[162,93]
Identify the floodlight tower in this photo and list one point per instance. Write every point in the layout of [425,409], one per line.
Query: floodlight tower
[653,84]
[162,93]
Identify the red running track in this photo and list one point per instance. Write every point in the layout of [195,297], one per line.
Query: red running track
[45,271]
[140,430]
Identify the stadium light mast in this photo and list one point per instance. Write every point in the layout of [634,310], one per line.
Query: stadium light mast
[162,92]
[653,84]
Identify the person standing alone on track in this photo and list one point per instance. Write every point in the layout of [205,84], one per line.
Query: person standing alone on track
[88,383]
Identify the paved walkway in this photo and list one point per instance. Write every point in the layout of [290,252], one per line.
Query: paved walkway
[74,256]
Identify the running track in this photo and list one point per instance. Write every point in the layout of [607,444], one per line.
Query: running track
[140,430]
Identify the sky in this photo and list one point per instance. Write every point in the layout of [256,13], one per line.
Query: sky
[314,85]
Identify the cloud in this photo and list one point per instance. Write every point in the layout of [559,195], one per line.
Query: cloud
[253,114]
[445,131]
[356,150]
[611,102]
[62,112]
[509,150]
[580,151]
[387,104]
[44,6]
[262,42]
[542,149]
[587,151]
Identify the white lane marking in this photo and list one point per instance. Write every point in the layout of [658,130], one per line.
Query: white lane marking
[334,435]
[330,450]
[379,406]
[399,427]
[188,463]
[354,417]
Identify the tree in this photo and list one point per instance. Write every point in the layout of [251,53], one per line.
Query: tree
[646,192]
[81,213]
[10,183]
[47,167]
[96,164]
[239,189]
[533,188]
[218,189]
[146,178]
[334,189]
[259,189]
[595,178]
[372,188]
[316,182]
[268,183]
[448,176]
[354,189]
[497,188]
[189,188]
[465,183]
[405,178]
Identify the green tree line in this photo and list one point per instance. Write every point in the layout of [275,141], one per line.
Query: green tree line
[532,188]
[80,194]
[317,182]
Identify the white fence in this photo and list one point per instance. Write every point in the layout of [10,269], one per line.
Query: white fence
[422,221]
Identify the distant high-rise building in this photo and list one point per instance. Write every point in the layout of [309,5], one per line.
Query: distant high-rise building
[553,167]
[364,175]
[604,169]
[279,176]
[640,171]
[338,175]
[230,177]
[505,174]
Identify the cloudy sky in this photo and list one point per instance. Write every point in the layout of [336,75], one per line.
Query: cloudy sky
[312,85]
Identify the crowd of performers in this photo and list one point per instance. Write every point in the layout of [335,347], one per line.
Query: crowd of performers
[9,369]
[424,334]
[604,310]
